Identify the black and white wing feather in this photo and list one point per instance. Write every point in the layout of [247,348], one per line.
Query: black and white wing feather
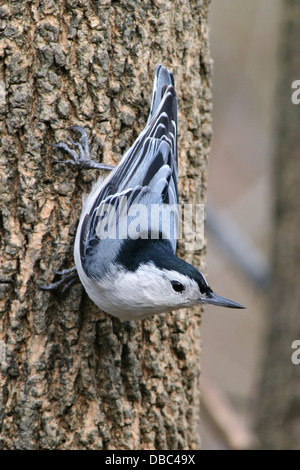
[145,176]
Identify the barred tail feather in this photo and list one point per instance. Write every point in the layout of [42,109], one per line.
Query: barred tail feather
[162,79]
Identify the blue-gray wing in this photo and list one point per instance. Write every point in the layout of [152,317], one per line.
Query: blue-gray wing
[136,213]
[146,176]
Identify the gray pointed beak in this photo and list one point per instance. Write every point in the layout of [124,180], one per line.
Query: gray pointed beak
[221,301]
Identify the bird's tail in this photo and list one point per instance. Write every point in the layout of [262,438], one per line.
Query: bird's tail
[162,79]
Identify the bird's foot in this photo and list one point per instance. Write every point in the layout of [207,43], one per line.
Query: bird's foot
[82,158]
[69,277]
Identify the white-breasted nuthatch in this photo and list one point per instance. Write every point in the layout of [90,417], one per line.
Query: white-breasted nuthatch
[134,273]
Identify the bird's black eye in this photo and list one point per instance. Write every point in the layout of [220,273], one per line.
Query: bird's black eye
[177,286]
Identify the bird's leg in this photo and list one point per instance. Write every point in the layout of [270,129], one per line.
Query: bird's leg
[82,158]
[69,277]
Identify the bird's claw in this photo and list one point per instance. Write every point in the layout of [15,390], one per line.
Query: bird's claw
[69,277]
[82,158]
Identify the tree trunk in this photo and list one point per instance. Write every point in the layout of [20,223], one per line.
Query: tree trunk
[73,377]
[278,420]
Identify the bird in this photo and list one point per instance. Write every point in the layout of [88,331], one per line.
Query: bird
[125,255]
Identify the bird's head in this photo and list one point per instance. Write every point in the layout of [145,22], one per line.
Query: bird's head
[151,279]
[185,286]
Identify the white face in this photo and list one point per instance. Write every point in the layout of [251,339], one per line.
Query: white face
[146,291]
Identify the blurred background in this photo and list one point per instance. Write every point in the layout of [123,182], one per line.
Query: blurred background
[244,40]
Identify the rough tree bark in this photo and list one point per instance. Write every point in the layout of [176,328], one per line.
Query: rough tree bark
[278,402]
[72,377]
